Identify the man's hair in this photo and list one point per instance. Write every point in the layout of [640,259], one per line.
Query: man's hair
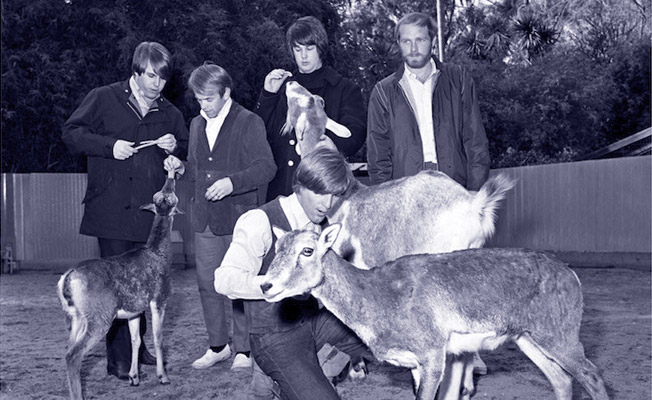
[209,75]
[323,171]
[419,19]
[155,54]
[307,31]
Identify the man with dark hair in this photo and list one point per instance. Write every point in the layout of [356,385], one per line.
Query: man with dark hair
[286,336]
[425,115]
[231,163]
[126,130]
[307,43]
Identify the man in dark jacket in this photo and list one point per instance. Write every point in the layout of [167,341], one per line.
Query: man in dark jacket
[425,115]
[126,130]
[231,164]
[307,42]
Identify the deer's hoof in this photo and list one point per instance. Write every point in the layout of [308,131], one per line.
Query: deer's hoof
[163,380]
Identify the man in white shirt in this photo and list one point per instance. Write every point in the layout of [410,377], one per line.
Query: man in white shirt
[285,336]
[231,163]
[426,115]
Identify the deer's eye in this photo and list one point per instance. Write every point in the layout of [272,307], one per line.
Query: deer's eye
[307,251]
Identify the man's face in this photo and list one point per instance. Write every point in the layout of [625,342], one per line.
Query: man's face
[316,206]
[211,102]
[415,44]
[150,83]
[307,57]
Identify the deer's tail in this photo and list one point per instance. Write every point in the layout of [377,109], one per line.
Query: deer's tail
[79,324]
[487,201]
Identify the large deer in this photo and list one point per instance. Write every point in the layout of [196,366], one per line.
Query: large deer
[413,311]
[425,213]
[94,292]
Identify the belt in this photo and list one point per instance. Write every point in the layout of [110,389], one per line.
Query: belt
[431,165]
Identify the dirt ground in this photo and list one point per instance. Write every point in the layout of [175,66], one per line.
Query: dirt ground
[616,334]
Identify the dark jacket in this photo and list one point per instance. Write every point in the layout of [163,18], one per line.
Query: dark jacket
[344,104]
[241,153]
[117,188]
[394,146]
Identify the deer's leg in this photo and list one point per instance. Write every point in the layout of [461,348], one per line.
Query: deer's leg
[158,313]
[449,388]
[572,359]
[468,388]
[82,339]
[134,332]
[560,380]
[430,374]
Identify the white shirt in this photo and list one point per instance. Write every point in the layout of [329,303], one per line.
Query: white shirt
[214,125]
[252,240]
[143,103]
[422,96]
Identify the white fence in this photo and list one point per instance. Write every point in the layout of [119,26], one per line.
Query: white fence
[601,206]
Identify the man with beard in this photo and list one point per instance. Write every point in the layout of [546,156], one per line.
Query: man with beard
[425,115]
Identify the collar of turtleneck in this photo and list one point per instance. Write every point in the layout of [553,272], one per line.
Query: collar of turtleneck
[317,78]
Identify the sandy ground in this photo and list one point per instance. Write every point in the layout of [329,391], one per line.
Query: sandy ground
[616,333]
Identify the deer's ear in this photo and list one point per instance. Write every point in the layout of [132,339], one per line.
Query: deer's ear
[151,207]
[338,129]
[328,236]
[278,232]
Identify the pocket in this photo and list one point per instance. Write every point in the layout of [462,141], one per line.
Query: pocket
[97,184]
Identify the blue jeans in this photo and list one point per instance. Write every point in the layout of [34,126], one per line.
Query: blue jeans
[290,357]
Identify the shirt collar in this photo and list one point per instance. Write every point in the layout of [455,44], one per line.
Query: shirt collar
[412,75]
[221,116]
[295,214]
[138,94]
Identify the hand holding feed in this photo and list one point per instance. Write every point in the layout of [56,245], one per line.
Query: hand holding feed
[274,80]
[167,142]
[171,163]
[123,149]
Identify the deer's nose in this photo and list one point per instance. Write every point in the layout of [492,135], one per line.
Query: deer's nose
[265,287]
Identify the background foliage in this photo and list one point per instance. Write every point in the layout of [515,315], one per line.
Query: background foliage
[557,79]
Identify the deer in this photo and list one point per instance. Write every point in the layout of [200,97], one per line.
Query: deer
[425,213]
[96,291]
[413,311]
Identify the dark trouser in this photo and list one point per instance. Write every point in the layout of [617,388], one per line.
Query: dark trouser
[290,357]
[118,339]
[209,252]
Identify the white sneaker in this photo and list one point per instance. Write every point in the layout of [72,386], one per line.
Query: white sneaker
[241,361]
[211,358]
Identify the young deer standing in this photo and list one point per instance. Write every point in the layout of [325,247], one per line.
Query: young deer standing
[413,311]
[95,292]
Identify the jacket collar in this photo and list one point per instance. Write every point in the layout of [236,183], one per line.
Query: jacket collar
[398,75]
[123,90]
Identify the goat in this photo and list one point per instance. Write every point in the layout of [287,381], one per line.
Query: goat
[94,292]
[413,311]
[307,116]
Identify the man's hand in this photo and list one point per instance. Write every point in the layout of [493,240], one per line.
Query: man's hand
[219,189]
[274,80]
[174,164]
[167,142]
[123,149]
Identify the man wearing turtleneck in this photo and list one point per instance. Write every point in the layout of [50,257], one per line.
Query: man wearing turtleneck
[308,44]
